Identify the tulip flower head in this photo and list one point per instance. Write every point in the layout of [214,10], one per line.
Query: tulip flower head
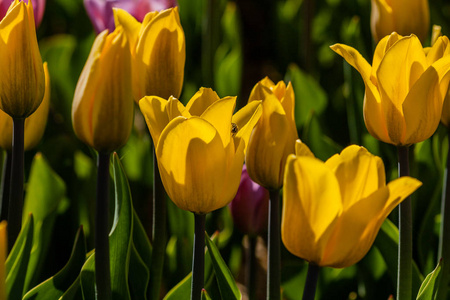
[101,11]
[275,134]
[22,83]
[200,147]
[102,110]
[158,52]
[34,124]
[403,16]
[250,206]
[38,8]
[405,87]
[3,254]
[332,210]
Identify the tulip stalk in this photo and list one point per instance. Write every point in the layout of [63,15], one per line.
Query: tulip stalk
[198,261]
[273,251]
[6,182]
[311,282]
[404,278]
[444,237]
[102,267]
[16,187]
[159,231]
[251,266]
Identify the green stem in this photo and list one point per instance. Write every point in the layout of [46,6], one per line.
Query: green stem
[198,261]
[16,190]
[444,236]
[102,265]
[159,232]
[273,251]
[311,282]
[404,278]
[251,267]
[5,186]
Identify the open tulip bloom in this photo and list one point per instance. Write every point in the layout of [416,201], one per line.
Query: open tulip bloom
[405,87]
[333,210]
[200,151]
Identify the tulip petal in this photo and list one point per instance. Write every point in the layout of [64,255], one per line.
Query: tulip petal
[399,190]
[265,156]
[439,49]
[155,113]
[130,25]
[381,19]
[279,89]
[246,119]
[423,107]
[358,172]
[405,11]
[201,101]
[309,210]
[301,149]
[261,90]
[194,176]
[175,109]
[161,56]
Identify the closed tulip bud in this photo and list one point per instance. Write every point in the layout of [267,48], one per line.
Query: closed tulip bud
[38,8]
[405,87]
[250,206]
[101,11]
[102,110]
[158,52]
[34,124]
[333,211]
[275,134]
[22,83]
[200,147]
[3,255]
[403,16]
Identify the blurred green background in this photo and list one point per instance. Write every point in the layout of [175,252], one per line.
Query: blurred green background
[230,46]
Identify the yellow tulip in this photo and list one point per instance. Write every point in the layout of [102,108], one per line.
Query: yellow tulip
[34,124]
[102,110]
[3,254]
[22,82]
[274,136]
[405,87]
[332,210]
[403,16]
[200,148]
[158,52]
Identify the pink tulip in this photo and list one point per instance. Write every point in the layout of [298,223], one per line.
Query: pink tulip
[38,8]
[101,11]
[250,206]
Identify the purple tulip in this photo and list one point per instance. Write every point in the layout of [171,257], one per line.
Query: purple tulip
[38,8]
[250,206]
[101,11]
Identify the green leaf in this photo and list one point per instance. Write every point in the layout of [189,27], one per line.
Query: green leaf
[429,287]
[120,237]
[310,98]
[139,276]
[45,190]
[181,291]
[387,242]
[227,285]
[56,286]
[87,278]
[17,261]
[205,295]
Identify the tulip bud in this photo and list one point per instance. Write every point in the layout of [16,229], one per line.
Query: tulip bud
[250,206]
[275,134]
[102,110]
[38,8]
[22,83]
[101,11]
[402,16]
[158,52]
[34,124]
